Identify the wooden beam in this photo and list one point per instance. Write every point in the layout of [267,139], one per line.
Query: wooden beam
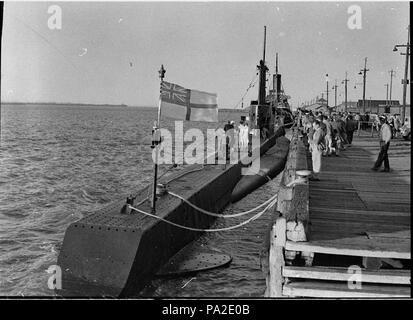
[320,289]
[366,228]
[353,247]
[343,274]
[360,212]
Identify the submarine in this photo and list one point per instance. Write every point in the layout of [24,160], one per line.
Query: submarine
[273,161]
[115,252]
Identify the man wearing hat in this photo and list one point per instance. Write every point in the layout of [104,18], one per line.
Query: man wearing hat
[385,137]
[316,150]
[230,135]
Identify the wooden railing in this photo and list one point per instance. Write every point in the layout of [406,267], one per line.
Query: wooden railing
[372,125]
[293,216]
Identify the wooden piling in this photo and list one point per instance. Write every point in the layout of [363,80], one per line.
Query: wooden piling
[292,225]
[276,258]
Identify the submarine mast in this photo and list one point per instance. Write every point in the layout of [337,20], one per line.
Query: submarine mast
[263,70]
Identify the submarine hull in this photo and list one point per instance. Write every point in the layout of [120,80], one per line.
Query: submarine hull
[271,164]
[113,254]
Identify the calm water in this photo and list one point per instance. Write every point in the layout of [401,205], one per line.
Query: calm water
[59,163]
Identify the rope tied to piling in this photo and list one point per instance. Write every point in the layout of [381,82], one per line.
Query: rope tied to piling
[256,216]
[274,197]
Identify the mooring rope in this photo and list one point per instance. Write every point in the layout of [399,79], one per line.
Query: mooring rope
[220,215]
[208,230]
[184,173]
[172,179]
[200,209]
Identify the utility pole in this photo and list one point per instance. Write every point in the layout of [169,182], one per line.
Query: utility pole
[387,96]
[363,72]
[345,92]
[335,93]
[392,73]
[327,88]
[406,70]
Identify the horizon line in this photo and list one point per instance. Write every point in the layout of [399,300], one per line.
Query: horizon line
[99,104]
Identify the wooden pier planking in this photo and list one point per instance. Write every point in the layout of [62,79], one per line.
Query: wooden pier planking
[356,212]
[361,212]
[343,274]
[354,246]
[318,289]
[358,228]
[377,203]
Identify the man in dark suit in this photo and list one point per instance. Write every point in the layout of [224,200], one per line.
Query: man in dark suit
[385,137]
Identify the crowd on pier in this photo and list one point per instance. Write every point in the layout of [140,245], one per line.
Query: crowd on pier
[329,134]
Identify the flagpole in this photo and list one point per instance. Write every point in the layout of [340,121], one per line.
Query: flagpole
[155,144]
[161,72]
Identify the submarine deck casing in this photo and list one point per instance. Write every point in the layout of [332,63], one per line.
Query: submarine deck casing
[271,164]
[109,253]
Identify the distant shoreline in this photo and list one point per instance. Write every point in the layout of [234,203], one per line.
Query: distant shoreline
[103,105]
[67,104]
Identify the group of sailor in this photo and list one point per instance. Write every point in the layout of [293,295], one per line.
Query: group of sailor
[233,138]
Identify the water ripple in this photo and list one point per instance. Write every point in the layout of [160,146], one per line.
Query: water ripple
[58,164]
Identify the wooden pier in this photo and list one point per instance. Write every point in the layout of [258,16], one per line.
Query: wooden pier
[347,235]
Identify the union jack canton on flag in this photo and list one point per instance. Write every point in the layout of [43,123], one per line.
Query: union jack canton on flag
[184,104]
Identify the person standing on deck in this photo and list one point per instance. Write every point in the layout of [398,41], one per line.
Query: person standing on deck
[304,124]
[221,143]
[232,133]
[243,135]
[322,124]
[397,125]
[385,137]
[336,138]
[316,150]
[390,122]
[310,127]
[342,130]
[351,126]
[300,118]
[328,137]
[339,134]
[240,133]
[229,132]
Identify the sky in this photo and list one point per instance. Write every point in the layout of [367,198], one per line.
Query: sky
[110,52]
